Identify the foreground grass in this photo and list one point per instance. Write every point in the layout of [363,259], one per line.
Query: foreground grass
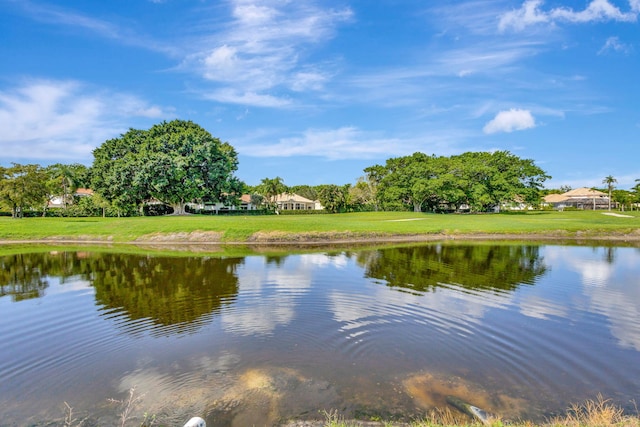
[593,413]
[599,412]
[368,225]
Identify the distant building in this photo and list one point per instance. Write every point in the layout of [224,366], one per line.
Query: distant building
[244,205]
[580,198]
[58,201]
[294,202]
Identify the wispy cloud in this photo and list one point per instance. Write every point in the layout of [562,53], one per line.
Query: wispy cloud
[259,53]
[531,13]
[341,143]
[350,142]
[230,95]
[56,15]
[613,44]
[510,120]
[64,120]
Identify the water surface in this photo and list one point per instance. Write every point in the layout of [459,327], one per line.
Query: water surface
[522,331]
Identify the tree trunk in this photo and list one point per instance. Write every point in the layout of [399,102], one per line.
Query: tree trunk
[417,207]
[178,208]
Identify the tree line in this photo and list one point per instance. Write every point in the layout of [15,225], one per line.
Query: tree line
[177,163]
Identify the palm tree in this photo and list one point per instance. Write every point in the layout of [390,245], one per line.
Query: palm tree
[636,193]
[271,188]
[64,179]
[609,180]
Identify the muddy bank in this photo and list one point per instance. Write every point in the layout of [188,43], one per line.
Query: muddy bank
[199,238]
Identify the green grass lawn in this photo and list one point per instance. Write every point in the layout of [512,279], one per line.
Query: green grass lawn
[350,225]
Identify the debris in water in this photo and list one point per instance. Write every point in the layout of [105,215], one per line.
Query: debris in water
[468,409]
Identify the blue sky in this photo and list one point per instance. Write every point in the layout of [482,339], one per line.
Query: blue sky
[316,91]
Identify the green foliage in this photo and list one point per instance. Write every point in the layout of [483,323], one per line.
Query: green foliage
[363,195]
[306,191]
[174,162]
[333,198]
[623,198]
[269,189]
[23,187]
[480,180]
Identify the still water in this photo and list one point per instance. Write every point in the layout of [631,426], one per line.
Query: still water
[522,331]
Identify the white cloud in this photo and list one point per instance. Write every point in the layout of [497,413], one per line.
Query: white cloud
[235,96]
[262,50]
[614,44]
[509,121]
[531,13]
[308,80]
[63,120]
[528,14]
[342,143]
[350,142]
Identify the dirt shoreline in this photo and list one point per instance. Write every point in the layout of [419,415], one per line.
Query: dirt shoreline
[316,239]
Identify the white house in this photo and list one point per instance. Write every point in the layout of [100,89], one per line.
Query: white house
[294,202]
[245,205]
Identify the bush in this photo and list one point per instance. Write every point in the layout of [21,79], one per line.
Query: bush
[227,212]
[157,210]
[303,212]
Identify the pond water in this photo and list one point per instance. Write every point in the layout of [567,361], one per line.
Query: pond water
[522,331]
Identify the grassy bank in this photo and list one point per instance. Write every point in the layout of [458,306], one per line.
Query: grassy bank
[369,226]
[598,412]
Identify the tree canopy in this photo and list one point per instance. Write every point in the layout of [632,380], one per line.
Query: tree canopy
[23,187]
[479,180]
[174,162]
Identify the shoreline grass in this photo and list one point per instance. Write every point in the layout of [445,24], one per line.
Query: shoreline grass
[367,226]
[598,412]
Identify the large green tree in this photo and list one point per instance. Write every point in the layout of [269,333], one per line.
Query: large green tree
[481,180]
[174,162]
[362,196]
[333,197]
[23,187]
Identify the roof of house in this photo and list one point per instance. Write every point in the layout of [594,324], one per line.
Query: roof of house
[584,192]
[555,198]
[292,197]
[84,192]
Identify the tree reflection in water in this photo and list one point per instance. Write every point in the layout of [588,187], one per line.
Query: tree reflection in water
[169,292]
[25,276]
[424,268]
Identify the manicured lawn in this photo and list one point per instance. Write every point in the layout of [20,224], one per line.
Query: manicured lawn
[336,226]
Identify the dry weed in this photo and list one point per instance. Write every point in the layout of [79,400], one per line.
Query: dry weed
[599,412]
